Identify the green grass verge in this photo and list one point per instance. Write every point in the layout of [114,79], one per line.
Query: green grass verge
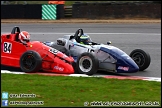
[74,91]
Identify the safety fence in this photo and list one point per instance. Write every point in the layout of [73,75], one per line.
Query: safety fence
[81,10]
[68,11]
[116,10]
[21,11]
[38,11]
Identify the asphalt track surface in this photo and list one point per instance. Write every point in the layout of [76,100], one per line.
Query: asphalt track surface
[127,37]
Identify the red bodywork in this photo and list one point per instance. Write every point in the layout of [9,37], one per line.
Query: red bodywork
[12,50]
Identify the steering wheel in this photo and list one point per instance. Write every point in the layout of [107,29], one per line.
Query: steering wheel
[15,29]
[78,34]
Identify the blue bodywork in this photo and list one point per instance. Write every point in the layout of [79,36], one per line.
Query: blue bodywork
[124,62]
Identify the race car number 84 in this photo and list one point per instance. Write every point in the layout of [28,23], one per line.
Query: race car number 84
[7,47]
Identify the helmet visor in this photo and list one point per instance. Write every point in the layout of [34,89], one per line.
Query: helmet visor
[86,41]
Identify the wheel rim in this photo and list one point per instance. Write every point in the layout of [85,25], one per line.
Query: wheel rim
[85,64]
[139,58]
[28,62]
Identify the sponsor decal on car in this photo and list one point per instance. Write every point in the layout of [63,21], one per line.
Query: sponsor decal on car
[123,68]
[58,68]
[52,50]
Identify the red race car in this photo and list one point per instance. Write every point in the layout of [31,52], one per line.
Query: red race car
[33,56]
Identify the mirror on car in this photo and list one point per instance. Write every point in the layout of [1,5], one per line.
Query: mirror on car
[109,42]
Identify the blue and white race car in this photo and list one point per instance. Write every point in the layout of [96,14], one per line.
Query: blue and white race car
[95,56]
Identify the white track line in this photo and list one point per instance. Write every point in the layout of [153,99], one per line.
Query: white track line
[6,71]
[96,33]
[105,33]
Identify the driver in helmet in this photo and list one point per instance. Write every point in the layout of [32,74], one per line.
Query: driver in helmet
[85,39]
[24,37]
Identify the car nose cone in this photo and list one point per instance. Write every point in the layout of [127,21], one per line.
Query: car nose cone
[134,68]
[127,64]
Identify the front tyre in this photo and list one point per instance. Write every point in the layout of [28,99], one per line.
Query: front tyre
[30,61]
[141,58]
[87,64]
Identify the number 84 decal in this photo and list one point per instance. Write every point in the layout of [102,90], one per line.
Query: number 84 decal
[7,47]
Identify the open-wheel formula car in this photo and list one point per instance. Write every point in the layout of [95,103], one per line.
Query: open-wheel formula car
[33,55]
[95,56]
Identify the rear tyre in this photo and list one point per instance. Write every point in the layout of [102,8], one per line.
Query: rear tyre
[30,61]
[87,64]
[141,58]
